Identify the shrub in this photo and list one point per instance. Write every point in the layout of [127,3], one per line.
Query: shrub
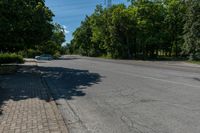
[56,55]
[10,58]
[195,56]
[30,53]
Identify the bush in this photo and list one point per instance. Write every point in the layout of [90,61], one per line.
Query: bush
[10,58]
[56,55]
[195,56]
[30,53]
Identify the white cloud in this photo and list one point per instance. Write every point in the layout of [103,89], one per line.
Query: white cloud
[65,29]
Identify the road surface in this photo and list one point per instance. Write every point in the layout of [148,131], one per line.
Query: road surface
[108,96]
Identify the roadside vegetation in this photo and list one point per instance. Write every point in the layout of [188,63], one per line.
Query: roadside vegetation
[10,58]
[27,29]
[146,29]
[194,62]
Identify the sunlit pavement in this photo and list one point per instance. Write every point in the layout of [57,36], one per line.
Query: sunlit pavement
[107,96]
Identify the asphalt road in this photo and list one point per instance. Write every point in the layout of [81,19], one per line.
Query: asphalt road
[108,96]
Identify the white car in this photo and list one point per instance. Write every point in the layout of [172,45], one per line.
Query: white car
[44,57]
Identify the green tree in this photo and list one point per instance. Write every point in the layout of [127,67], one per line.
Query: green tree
[24,24]
[58,35]
[192,30]
[146,28]
[175,21]
[99,30]
[150,19]
[123,32]
[82,39]
[54,44]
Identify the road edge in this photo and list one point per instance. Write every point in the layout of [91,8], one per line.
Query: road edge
[53,103]
[71,119]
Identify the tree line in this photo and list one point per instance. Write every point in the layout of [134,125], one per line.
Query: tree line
[146,28]
[27,26]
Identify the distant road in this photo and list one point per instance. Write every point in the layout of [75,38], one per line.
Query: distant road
[118,96]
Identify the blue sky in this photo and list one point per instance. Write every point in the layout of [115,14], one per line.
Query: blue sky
[70,13]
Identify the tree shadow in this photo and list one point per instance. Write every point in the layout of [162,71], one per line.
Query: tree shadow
[44,83]
[197,79]
[66,83]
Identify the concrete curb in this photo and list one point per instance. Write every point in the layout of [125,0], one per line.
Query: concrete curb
[54,104]
[71,119]
[59,117]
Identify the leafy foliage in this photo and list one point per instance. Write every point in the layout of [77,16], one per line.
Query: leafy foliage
[10,58]
[53,45]
[24,24]
[146,28]
[192,30]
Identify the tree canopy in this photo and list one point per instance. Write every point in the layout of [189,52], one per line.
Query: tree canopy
[146,28]
[192,30]
[24,24]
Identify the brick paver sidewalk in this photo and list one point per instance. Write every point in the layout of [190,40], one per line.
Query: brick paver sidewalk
[25,106]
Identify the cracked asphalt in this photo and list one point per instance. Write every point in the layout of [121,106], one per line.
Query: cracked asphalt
[108,96]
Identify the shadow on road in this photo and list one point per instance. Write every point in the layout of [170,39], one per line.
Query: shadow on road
[39,82]
[197,79]
[66,83]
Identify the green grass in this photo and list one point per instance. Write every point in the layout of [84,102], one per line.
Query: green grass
[106,56]
[194,62]
[7,58]
[158,58]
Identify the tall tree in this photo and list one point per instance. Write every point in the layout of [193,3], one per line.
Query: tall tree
[24,24]
[99,30]
[150,19]
[58,35]
[54,44]
[192,30]
[146,28]
[175,22]
[82,39]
